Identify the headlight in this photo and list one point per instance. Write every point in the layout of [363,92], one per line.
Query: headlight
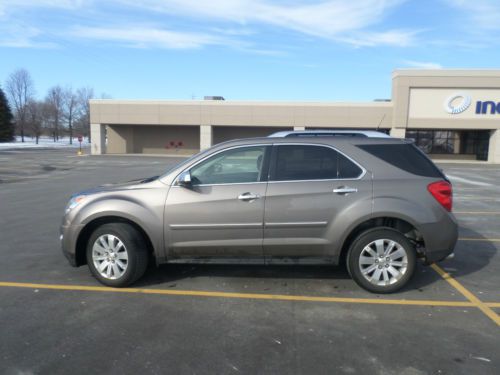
[74,201]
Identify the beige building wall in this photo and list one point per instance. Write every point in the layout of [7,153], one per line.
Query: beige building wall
[248,114]
[120,139]
[226,133]
[183,140]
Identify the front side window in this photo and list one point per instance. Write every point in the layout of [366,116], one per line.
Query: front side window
[239,165]
[305,162]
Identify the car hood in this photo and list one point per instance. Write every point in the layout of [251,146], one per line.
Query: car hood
[141,183]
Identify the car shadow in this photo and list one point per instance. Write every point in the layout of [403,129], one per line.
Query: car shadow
[168,273]
[461,265]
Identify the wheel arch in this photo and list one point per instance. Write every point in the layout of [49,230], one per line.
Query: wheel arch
[401,225]
[88,229]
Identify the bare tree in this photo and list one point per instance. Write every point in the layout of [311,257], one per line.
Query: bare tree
[70,108]
[84,94]
[20,90]
[34,118]
[46,116]
[55,102]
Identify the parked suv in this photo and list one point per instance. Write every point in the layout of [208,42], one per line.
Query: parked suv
[374,204]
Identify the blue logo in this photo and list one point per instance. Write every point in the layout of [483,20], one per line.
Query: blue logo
[487,107]
[463,103]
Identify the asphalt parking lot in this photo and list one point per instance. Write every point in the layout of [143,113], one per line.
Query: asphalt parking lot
[195,319]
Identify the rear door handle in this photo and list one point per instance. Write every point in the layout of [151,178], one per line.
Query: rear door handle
[248,197]
[345,190]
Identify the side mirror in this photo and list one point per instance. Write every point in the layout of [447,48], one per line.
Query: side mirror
[184,179]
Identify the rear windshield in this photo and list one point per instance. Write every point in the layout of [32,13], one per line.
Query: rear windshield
[406,157]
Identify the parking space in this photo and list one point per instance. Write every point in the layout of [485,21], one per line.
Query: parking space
[235,319]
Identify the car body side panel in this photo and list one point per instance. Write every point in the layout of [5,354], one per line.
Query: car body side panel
[307,219]
[210,220]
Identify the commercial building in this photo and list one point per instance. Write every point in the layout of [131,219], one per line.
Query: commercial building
[451,114]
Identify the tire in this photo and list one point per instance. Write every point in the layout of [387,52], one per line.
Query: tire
[381,275]
[117,254]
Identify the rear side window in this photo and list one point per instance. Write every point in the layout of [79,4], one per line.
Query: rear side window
[305,162]
[406,157]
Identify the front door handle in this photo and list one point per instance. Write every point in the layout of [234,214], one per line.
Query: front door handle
[248,197]
[345,190]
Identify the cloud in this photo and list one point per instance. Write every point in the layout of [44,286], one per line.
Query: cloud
[400,38]
[343,21]
[484,13]
[422,64]
[218,22]
[16,32]
[22,36]
[148,37]
[11,6]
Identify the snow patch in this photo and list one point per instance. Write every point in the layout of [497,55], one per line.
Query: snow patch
[43,142]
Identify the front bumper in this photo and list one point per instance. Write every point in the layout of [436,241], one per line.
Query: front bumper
[68,237]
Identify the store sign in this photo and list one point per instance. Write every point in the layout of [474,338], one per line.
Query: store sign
[487,107]
[460,102]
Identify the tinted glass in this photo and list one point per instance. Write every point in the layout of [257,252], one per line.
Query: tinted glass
[297,162]
[346,168]
[406,157]
[228,167]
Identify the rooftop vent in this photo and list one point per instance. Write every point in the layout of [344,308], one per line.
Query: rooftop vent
[213,98]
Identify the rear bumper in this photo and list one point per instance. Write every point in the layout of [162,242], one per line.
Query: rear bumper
[437,256]
[440,238]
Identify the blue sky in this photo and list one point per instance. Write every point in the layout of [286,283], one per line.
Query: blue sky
[243,49]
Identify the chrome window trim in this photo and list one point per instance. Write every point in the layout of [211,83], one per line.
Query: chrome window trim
[176,182]
[363,170]
[227,183]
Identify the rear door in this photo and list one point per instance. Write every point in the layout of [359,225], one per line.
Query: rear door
[221,213]
[309,186]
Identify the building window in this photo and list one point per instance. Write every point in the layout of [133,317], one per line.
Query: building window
[466,142]
[475,142]
[435,141]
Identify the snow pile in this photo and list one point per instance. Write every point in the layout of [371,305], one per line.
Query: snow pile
[43,142]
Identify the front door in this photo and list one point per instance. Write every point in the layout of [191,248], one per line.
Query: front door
[221,213]
[309,186]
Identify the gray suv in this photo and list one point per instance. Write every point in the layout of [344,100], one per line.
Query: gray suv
[373,204]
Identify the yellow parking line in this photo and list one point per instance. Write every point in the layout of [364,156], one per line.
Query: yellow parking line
[279,297]
[479,239]
[467,294]
[492,304]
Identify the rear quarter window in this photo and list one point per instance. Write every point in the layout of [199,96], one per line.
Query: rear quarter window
[406,157]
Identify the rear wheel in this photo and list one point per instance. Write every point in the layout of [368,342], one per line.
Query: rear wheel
[381,260]
[116,254]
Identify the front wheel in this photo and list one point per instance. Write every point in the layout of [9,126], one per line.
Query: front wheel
[116,254]
[381,260]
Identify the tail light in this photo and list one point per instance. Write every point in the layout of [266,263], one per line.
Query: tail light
[443,193]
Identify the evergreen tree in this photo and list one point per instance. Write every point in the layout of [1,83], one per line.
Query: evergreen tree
[6,123]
